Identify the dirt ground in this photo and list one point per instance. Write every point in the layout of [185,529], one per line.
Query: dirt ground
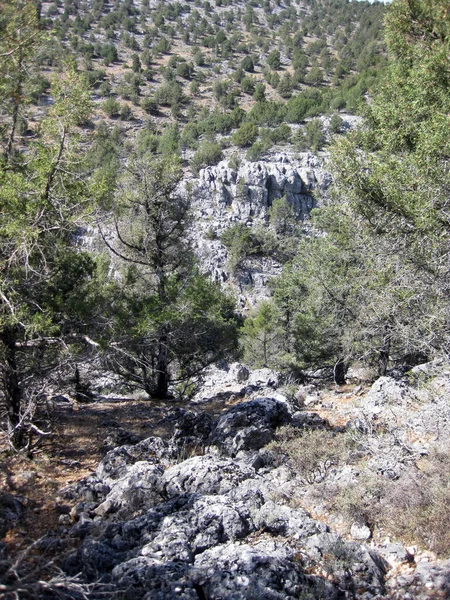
[81,433]
[80,436]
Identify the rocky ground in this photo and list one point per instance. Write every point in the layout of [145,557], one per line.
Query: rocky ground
[256,489]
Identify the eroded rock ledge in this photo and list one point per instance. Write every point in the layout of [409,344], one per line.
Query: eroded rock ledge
[215,525]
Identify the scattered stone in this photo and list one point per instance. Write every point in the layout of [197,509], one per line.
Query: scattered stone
[360,531]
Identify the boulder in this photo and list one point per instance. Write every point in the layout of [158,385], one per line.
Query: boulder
[249,425]
[267,569]
[116,462]
[205,475]
[140,486]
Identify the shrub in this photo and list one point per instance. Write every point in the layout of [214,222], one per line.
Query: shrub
[126,113]
[243,242]
[169,94]
[209,153]
[273,60]
[111,107]
[336,124]
[150,106]
[311,454]
[246,135]
[257,151]
[248,64]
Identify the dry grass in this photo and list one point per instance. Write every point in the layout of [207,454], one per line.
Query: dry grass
[311,454]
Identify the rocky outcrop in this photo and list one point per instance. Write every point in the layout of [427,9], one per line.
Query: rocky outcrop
[215,525]
[247,192]
[224,195]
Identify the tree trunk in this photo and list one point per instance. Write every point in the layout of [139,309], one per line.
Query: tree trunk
[162,373]
[383,357]
[17,102]
[12,391]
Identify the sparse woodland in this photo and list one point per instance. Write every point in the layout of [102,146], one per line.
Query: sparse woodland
[110,111]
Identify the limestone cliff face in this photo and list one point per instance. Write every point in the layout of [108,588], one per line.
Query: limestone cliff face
[225,194]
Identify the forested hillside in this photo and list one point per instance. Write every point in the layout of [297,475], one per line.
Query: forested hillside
[185,185]
[105,106]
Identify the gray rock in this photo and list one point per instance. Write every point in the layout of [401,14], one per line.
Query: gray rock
[205,522]
[190,429]
[308,420]
[205,475]
[360,531]
[249,426]
[264,378]
[285,521]
[266,569]
[11,511]
[238,373]
[386,391]
[223,196]
[96,558]
[155,580]
[140,486]
[116,462]
[396,553]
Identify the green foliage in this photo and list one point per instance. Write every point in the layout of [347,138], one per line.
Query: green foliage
[285,86]
[111,107]
[169,94]
[311,454]
[248,64]
[150,106]
[209,153]
[273,60]
[259,94]
[246,135]
[170,321]
[311,137]
[336,124]
[243,242]
[373,285]
[45,282]
[20,36]
[262,337]
[305,104]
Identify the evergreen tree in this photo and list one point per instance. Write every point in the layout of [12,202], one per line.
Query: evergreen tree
[375,283]
[170,321]
[20,36]
[45,282]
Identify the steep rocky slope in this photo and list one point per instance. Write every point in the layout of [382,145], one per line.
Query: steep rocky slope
[225,195]
[269,498]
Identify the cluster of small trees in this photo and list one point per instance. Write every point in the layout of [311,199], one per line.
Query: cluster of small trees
[147,312]
[346,59]
[373,285]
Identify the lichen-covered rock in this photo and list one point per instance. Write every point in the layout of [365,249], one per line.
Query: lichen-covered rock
[155,580]
[116,462]
[140,485]
[11,511]
[282,520]
[249,425]
[387,391]
[205,522]
[205,475]
[190,429]
[267,569]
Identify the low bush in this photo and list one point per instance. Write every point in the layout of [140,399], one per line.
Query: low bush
[312,454]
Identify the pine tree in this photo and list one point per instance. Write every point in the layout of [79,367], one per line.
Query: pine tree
[170,321]
[44,279]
